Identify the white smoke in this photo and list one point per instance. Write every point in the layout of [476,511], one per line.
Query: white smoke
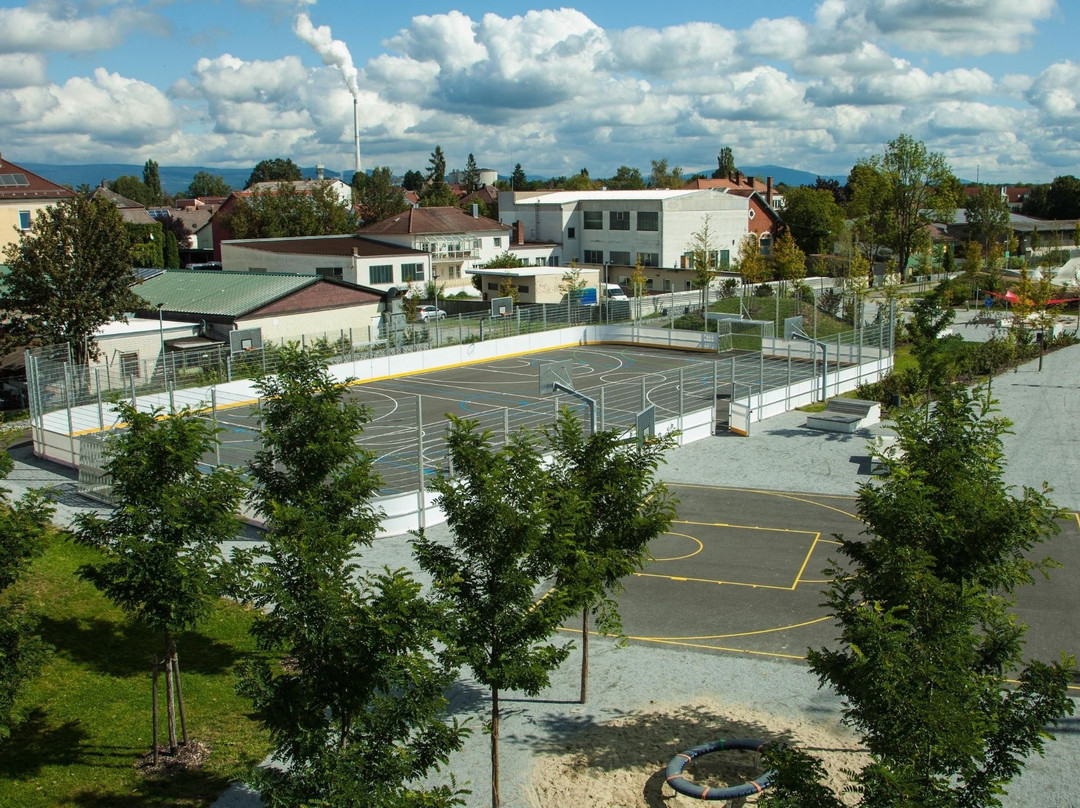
[334,52]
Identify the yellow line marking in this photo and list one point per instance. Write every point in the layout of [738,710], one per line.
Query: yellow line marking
[755,633]
[700,547]
[806,561]
[745,527]
[711,581]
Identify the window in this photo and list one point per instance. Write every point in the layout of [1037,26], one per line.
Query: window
[498,241]
[493,287]
[129,365]
[383,273]
[329,272]
[570,232]
[649,259]
[619,220]
[453,272]
[594,220]
[540,261]
[620,258]
[257,270]
[24,220]
[648,220]
[725,259]
[766,244]
[594,257]
[412,272]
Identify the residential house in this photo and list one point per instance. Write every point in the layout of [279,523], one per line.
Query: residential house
[366,262]
[456,240]
[740,182]
[534,284]
[617,229]
[22,195]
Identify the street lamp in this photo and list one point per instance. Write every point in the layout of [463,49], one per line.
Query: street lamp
[164,367]
[435,283]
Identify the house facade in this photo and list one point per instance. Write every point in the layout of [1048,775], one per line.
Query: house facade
[365,262]
[23,194]
[620,228]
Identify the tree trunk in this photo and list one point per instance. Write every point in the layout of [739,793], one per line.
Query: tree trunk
[179,695]
[494,747]
[170,705]
[584,653]
[153,710]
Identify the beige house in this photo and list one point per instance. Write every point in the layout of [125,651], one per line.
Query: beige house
[22,195]
[534,284]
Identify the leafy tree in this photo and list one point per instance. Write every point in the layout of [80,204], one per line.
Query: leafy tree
[146,243]
[788,259]
[948,260]
[703,255]
[839,192]
[580,182]
[638,281]
[172,251]
[472,175]
[206,184]
[571,285]
[278,169]
[872,219]
[358,710]
[508,287]
[133,188]
[413,181]
[987,215]
[725,164]
[919,188]
[518,180]
[22,530]
[606,508]
[288,212]
[161,558]
[626,179]
[497,505]
[376,196]
[1063,198]
[504,260]
[814,218]
[152,181]
[69,275]
[436,192]
[663,176]
[935,352]
[750,262]
[927,640]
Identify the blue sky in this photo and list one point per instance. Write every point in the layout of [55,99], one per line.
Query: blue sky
[992,84]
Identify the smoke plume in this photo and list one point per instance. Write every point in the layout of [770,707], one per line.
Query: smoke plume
[334,52]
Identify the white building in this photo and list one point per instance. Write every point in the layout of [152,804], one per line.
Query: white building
[621,227]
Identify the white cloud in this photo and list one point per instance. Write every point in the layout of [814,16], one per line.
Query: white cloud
[1056,93]
[943,26]
[785,38]
[42,27]
[22,70]
[903,85]
[671,52]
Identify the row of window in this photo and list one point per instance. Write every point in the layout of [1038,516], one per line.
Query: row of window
[620,220]
[384,273]
[621,258]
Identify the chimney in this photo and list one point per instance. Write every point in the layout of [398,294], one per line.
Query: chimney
[768,191]
[475,211]
[519,232]
[355,251]
[738,178]
[103,184]
[319,172]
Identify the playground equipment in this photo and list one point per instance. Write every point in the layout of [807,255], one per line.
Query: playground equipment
[679,782]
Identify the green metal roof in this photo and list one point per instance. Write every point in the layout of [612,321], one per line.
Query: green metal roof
[225,294]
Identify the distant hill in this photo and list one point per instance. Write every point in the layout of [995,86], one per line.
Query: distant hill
[780,174]
[174,179]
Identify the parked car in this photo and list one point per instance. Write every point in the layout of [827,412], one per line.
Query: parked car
[425,313]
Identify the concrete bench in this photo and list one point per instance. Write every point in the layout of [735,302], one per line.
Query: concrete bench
[845,415]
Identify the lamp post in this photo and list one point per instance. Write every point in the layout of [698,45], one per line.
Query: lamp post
[435,283]
[164,366]
[604,298]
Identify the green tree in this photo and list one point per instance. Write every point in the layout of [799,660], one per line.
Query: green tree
[927,644]
[472,175]
[277,169]
[725,164]
[132,188]
[788,259]
[161,558]
[935,352]
[359,710]
[497,506]
[919,189]
[750,262]
[69,275]
[288,212]
[814,218]
[23,525]
[504,260]
[1063,198]
[626,179]
[606,508]
[152,181]
[572,285]
[866,208]
[172,251]
[703,255]
[580,182]
[376,196]
[663,176]
[508,287]
[987,215]
[413,181]
[518,180]
[436,193]
[206,184]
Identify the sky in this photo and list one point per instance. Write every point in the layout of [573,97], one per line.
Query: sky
[993,85]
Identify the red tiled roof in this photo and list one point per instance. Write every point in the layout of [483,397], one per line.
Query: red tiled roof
[423,221]
[328,245]
[36,187]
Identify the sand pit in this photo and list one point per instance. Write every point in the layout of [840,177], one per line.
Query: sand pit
[620,764]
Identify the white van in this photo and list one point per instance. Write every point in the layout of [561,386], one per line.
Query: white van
[612,291]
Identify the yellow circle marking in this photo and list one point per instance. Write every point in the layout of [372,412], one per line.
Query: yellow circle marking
[700,547]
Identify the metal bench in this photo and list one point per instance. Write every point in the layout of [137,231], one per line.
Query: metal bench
[845,415]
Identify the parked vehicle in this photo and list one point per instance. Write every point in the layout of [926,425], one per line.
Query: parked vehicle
[425,313]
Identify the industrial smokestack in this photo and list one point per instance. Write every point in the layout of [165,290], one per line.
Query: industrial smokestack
[356,130]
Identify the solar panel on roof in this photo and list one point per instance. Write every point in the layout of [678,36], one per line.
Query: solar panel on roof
[13,180]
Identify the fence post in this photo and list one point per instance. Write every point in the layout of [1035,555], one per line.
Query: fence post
[71,427]
[761,380]
[421,503]
[213,417]
[100,410]
[787,394]
[171,387]
[506,426]
[228,366]
[643,394]
[134,401]
[603,405]
[682,387]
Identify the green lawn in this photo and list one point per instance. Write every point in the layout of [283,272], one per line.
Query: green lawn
[88,712]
